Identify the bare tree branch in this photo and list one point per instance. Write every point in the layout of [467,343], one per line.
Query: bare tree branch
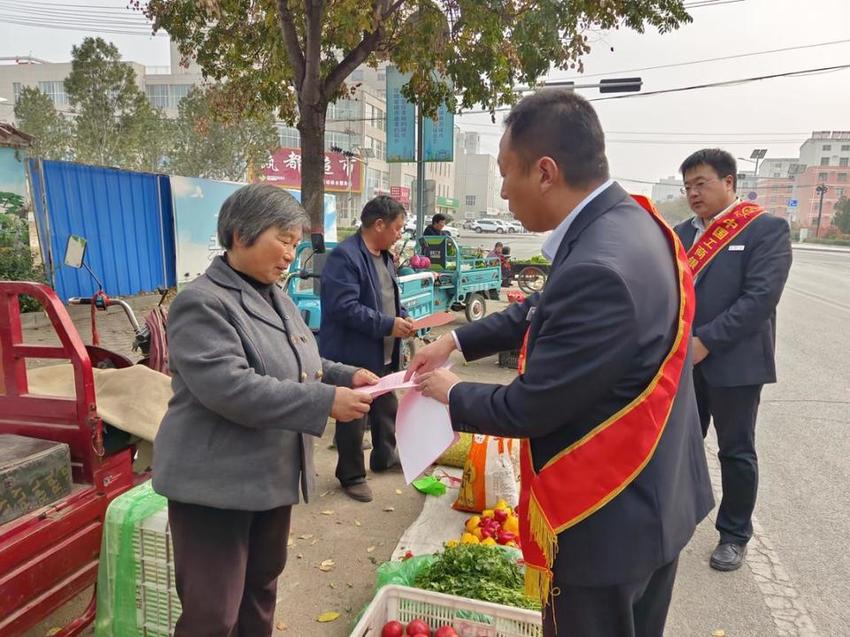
[290,40]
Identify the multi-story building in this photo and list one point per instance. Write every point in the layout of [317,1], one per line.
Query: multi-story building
[837,182]
[826,148]
[667,189]
[164,86]
[775,186]
[478,182]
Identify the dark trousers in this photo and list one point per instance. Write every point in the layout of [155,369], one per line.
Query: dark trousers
[734,411]
[351,466]
[637,609]
[226,565]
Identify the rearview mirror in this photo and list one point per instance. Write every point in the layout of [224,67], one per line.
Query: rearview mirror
[75,251]
[317,242]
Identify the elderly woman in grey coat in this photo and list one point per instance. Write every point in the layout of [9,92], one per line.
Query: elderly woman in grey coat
[251,395]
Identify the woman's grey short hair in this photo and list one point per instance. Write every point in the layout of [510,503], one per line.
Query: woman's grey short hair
[255,208]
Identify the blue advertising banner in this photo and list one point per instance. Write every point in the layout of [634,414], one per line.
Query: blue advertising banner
[439,136]
[401,119]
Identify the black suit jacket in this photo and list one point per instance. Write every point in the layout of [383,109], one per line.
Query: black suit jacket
[737,294]
[599,332]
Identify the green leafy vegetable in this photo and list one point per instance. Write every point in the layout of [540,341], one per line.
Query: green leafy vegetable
[479,572]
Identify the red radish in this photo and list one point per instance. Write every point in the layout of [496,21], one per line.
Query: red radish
[393,629]
[503,537]
[418,627]
[445,631]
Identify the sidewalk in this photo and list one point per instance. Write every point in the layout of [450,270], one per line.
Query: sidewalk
[819,247]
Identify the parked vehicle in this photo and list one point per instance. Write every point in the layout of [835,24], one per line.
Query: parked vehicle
[410,226]
[50,554]
[489,225]
[464,279]
[515,227]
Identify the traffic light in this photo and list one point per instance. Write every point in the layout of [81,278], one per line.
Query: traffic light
[620,85]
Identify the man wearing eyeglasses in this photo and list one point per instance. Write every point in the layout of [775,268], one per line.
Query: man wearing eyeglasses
[740,257]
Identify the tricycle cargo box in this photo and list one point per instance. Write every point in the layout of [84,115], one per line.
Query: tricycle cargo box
[33,474]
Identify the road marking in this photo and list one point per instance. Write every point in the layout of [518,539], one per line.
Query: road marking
[786,606]
[818,297]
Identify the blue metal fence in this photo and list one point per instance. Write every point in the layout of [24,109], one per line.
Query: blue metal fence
[126,218]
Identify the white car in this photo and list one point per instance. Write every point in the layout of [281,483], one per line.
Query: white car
[410,226]
[515,226]
[489,225]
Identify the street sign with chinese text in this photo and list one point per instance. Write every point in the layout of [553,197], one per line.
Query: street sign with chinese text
[400,194]
[401,119]
[439,136]
[448,202]
[342,174]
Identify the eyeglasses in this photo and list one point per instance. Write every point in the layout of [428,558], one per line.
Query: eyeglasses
[697,187]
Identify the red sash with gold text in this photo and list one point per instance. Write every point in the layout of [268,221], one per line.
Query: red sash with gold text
[588,474]
[720,233]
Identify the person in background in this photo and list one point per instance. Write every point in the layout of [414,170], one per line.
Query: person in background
[741,257]
[496,252]
[251,396]
[363,324]
[438,222]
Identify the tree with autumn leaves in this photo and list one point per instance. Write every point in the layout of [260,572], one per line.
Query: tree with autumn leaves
[293,56]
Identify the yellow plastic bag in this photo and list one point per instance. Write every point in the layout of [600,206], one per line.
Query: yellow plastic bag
[489,475]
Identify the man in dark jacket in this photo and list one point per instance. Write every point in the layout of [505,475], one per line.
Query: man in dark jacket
[600,533]
[362,320]
[438,222]
[741,256]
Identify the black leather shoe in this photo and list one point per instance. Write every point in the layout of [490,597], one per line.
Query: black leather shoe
[728,556]
[360,492]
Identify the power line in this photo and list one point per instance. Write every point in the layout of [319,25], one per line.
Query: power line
[92,29]
[825,69]
[65,25]
[706,60]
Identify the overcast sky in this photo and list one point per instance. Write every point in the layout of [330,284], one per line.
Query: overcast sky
[644,133]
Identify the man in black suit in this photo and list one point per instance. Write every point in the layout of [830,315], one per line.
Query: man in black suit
[734,333]
[597,336]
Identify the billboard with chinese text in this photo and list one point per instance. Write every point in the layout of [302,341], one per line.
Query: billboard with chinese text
[196,206]
[439,136]
[342,174]
[401,119]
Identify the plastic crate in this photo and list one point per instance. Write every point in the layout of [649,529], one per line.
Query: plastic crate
[137,595]
[469,617]
[156,591]
[509,359]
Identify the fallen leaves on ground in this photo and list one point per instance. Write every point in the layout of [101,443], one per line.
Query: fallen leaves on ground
[327,565]
[328,617]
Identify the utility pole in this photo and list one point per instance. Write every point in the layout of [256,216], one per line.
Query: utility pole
[420,171]
[821,190]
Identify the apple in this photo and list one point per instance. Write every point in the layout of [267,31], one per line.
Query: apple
[500,515]
[445,631]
